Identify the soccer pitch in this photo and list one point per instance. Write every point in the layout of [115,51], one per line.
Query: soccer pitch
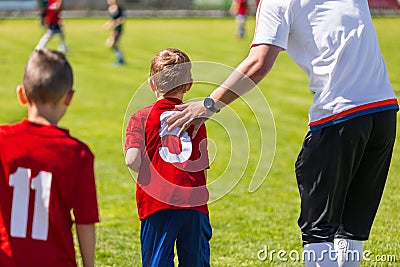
[249,229]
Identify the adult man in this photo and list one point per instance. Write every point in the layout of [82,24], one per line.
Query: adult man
[342,168]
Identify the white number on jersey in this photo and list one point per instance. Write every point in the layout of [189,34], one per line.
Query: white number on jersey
[20,203]
[185,140]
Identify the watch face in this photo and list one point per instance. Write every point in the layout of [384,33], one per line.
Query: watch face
[208,102]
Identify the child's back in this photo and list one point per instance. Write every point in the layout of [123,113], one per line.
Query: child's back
[172,173]
[45,174]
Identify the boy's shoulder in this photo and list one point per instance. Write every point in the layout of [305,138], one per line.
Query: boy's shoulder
[10,129]
[26,129]
[153,111]
[164,104]
[143,112]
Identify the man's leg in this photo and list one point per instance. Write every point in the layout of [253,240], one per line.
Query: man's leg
[366,189]
[349,252]
[325,168]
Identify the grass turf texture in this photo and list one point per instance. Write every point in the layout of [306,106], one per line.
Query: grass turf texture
[243,223]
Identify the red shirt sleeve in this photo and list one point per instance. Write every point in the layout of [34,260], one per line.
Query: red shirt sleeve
[135,136]
[85,207]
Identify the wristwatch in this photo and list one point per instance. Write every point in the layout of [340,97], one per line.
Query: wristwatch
[210,104]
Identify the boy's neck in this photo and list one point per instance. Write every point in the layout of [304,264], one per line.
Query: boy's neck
[177,95]
[44,114]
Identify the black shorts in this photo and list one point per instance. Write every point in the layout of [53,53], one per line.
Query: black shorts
[117,35]
[54,29]
[341,173]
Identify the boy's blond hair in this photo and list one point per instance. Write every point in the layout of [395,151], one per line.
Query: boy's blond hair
[48,77]
[170,70]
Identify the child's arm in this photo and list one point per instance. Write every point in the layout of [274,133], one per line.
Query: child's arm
[233,8]
[107,25]
[133,159]
[58,5]
[87,243]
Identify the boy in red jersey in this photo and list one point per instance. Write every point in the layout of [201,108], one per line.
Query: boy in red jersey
[239,9]
[53,22]
[45,174]
[171,188]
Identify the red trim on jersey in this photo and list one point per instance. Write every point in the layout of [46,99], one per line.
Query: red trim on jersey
[354,110]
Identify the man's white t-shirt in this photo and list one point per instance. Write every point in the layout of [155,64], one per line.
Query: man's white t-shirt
[335,44]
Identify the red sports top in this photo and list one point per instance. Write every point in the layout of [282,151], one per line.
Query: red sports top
[241,7]
[53,13]
[172,173]
[44,174]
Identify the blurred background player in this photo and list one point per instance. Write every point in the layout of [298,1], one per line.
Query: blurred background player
[171,191]
[117,15]
[45,174]
[53,23]
[239,9]
[42,5]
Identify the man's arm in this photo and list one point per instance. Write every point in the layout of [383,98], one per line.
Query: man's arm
[249,73]
[87,243]
[133,159]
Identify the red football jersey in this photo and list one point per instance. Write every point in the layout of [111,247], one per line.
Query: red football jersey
[44,175]
[53,12]
[172,172]
[241,7]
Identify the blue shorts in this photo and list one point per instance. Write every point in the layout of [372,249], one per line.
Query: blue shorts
[190,229]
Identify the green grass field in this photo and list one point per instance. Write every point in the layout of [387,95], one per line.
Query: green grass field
[243,223]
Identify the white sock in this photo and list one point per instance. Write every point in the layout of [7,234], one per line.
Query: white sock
[43,41]
[349,252]
[320,255]
[62,47]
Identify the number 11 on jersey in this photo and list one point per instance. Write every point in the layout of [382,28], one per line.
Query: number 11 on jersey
[41,184]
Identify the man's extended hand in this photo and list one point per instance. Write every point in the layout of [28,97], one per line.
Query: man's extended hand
[190,113]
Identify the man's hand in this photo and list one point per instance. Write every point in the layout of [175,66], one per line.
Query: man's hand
[191,113]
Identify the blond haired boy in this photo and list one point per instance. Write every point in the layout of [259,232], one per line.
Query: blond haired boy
[45,174]
[171,191]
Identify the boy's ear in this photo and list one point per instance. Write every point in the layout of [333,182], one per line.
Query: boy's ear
[152,85]
[21,95]
[189,85]
[68,99]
